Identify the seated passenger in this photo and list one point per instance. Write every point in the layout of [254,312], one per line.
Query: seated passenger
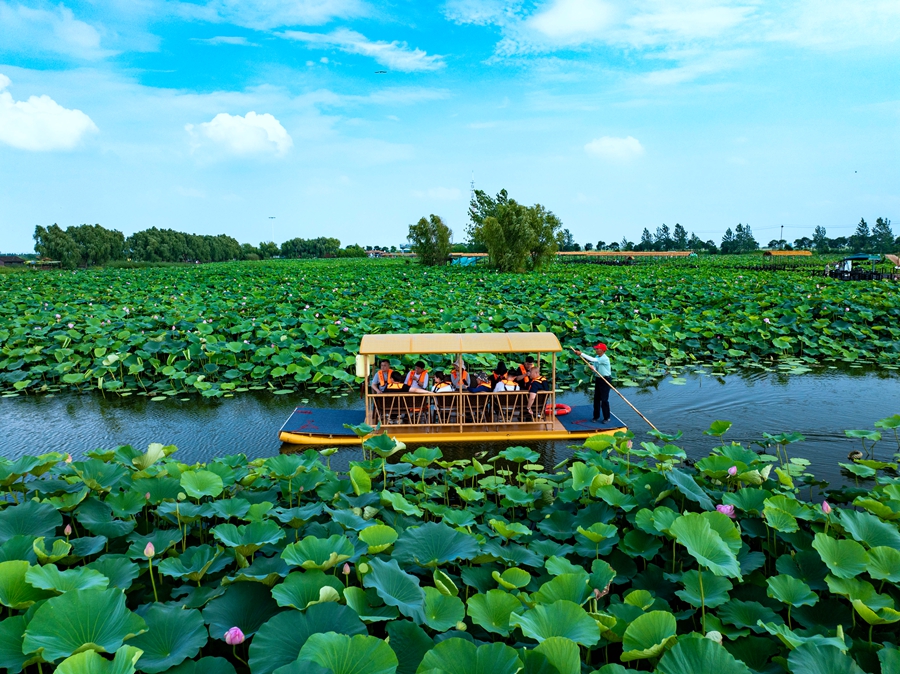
[417,378]
[382,377]
[498,374]
[482,383]
[522,373]
[396,385]
[441,385]
[459,378]
[507,383]
[536,383]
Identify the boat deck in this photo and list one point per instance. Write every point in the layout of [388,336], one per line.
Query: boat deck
[308,426]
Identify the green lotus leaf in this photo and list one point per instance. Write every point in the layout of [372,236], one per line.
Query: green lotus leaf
[639,544]
[270,649]
[383,445]
[748,499]
[844,558]
[124,504]
[870,530]
[433,544]
[173,635]
[265,570]
[244,605]
[459,656]
[561,653]
[101,476]
[162,540]
[704,544]
[692,655]
[302,588]
[358,600]
[557,566]
[12,630]
[410,643]
[76,621]
[687,486]
[444,583]
[492,610]
[68,501]
[359,478]
[231,507]
[572,587]
[50,578]
[379,538]
[248,538]
[422,457]
[881,615]
[59,549]
[792,639]
[790,590]
[648,636]
[810,659]
[318,553]
[598,532]
[614,497]
[397,588]
[889,658]
[120,571]
[747,614]
[582,475]
[884,564]
[15,593]
[781,521]
[441,611]
[29,519]
[88,545]
[715,589]
[155,452]
[91,662]
[559,619]
[160,488]
[192,565]
[342,654]
[512,579]
[97,518]
[200,483]
[509,530]
[204,666]
[285,466]
[400,504]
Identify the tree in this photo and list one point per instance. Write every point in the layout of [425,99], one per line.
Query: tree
[517,237]
[803,243]
[820,239]
[268,249]
[430,239]
[589,247]
[310,248]
[743,240]
[482,206]
[567,241]
[601,245]
[646,241]
[728,245]
[860,239]
[629,245]
[679,237]
[663,239]
[614,246]
[883,236]
[52,242]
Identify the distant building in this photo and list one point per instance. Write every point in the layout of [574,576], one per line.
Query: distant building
[11,260]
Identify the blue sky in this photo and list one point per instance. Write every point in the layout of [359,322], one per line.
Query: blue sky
[212,116]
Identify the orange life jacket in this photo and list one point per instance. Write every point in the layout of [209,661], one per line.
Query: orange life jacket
[381,377]
[440,387]
[524,372]
[412,376]
[509,384]
[465,375]
[395,386]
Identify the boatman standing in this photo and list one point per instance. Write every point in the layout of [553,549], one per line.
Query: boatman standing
[601,384]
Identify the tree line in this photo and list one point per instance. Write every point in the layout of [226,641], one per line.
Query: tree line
[94,245]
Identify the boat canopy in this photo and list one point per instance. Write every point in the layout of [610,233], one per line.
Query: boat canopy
[475,342]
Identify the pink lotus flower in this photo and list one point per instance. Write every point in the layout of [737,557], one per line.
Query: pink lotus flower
[149,551]
[765,320]
[68,458]
[732,471]
[147,496]
[726,510]
[346,569]
[234,636]
[68,530]
[826,508]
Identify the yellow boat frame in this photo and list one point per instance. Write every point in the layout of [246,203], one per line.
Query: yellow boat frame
[462,430]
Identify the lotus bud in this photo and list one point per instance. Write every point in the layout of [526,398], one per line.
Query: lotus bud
[68,458]
[149,551]
[714,636]
[726,510]
[68,530]
[826,508]
[147,496]
[234,636]
[346,569]
[732,471]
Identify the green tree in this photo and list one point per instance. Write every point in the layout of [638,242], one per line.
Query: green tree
[820,239]
[268,249]
[679,237]
[728,244]
[662,240]
[743,239]
[52,242]
[430,239]
[589,246]
[567,241]
[518,238]
[482,206]
[883,236]
[860,239]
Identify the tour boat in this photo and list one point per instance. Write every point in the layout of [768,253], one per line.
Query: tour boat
[458,416]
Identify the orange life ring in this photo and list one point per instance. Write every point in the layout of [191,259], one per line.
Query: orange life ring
[560,409]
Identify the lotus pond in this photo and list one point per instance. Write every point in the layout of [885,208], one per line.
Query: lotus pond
[287,325]
[624,557]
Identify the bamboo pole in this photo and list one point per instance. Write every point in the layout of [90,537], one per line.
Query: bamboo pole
[594,370]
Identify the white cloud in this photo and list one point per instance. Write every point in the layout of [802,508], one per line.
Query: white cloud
[438,193]
[567,20]
[40,123]
[615,149]
[480,12]
[266,14]
[41,31]
[840,24]
[237,41]
[250,134]
[394,55]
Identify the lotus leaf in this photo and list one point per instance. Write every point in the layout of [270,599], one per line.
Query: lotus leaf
[809,659]
[687,486]
[562,654]
[648,636]
[91,662]
[715,590]
[248,538]
[318,553]
[884,564]
[705,544]
[747,614]
[870,530]
[844,558]
[790,590]
[509,530]
[173,635]
[162,540]
[792,639]
[559,619]
[572,587]
[15,593]
[12,630]
[559,565]
[512,579]
[458,656]
[492,610]
[59,549]
[410,643]
[28,519]
[444,583]
[200,483]
[193,565]
[270,650]
[442,611]
[342,654]
[400,504]
[244,605]
[692,654]
[97,518]
[433,544]
[76,621]
[358,600]
[362,483]
[300,589]
[126,503]
[50,578]
[120,571]
[204,666]
[397,588]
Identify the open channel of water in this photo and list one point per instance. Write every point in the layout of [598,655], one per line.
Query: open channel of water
[820,405]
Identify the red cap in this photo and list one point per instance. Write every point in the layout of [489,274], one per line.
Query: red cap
[600,345]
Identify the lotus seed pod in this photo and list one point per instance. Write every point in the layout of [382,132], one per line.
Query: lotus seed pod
[363,568]
[461,626]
